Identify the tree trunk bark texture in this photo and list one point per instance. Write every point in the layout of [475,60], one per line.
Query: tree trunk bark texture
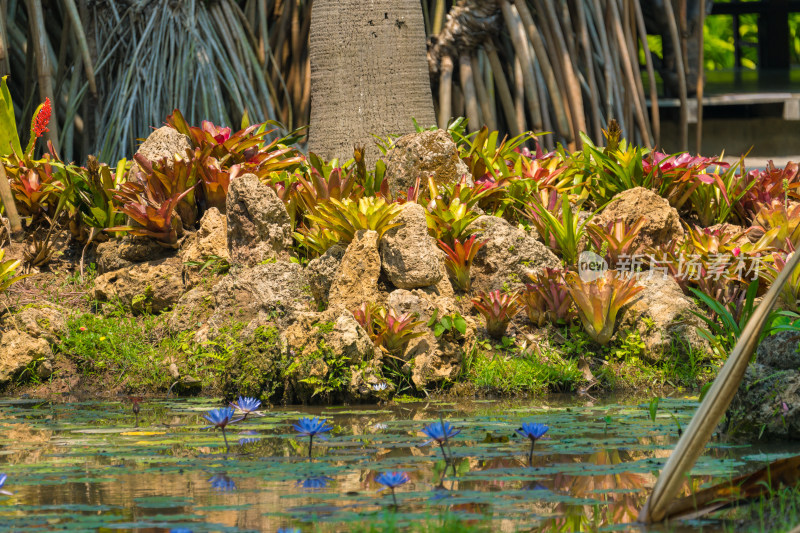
[369,74]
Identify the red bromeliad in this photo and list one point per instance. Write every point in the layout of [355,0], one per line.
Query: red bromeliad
[498,309]
[459,260]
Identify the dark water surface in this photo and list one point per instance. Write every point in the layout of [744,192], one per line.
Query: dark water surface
[85,466]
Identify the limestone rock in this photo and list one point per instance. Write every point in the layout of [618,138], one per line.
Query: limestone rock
[264,294]
[209,241]
[418,301]
[662,314]
[780,351]
[22,351]
[43,321]
[357,278]
[149,287]
[164,142]
[409,256]
[192,310]
[326,348]
[259,227]
[509,256]
[321,271]
[662,224]
[432,360]
[424,154]
[107,257]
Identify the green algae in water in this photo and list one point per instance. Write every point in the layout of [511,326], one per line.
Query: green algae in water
[84,466]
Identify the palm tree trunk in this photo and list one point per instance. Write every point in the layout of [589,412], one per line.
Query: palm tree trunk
[369,74]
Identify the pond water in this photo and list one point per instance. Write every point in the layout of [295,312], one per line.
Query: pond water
[86,466]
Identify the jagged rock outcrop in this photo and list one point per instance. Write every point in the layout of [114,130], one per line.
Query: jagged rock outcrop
[23,353]
[662,221]
[357,278]
[409,255]
[422,155]
[164,142]
[259,227]
[320,272]
[149,287]
[767,404]
[509,256]
[209,242]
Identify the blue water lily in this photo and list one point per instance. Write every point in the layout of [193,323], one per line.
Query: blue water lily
[247,405]
[3,478]
[532,431]
[315,482]
[312,427]
[378,387]
[222,483]
[220,418]
[441,432]
[391,480]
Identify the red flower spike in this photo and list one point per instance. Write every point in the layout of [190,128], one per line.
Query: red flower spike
[42,119]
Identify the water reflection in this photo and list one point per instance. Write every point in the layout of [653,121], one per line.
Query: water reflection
[86,466]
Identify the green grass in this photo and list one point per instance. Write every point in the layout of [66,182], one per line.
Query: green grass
[529,372]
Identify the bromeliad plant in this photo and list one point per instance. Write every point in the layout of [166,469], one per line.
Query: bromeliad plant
[560,228]
[458,261]
[777,224]
[791,290]
[616,238]
[8,269]
[599,301]
[450,222]
[497,309]
[344,218]
[155,220]
[387,329]
[767,187]
[546,298]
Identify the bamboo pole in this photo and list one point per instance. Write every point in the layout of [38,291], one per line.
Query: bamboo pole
[718,398]
[438,17]
[655,117]
[80,35]
[521,51]
[587,54]
[503,90]
[519,94]
[563,120]
[487,110]
[43,67]
[627,67]
[700,76]
[466,77]
[445,91]
[573,87]
[679,67]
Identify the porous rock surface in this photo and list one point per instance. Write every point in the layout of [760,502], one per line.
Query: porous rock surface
[422,155]
[210,240]
[20,352]
[267,293]
[356,281]
[151,287]
[662,221]
[321,270]
[509,256]
[259,227]
[164,142]
[409,256]
[767,404]
[663,316]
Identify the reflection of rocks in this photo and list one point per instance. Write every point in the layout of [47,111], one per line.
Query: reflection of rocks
[767,404]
